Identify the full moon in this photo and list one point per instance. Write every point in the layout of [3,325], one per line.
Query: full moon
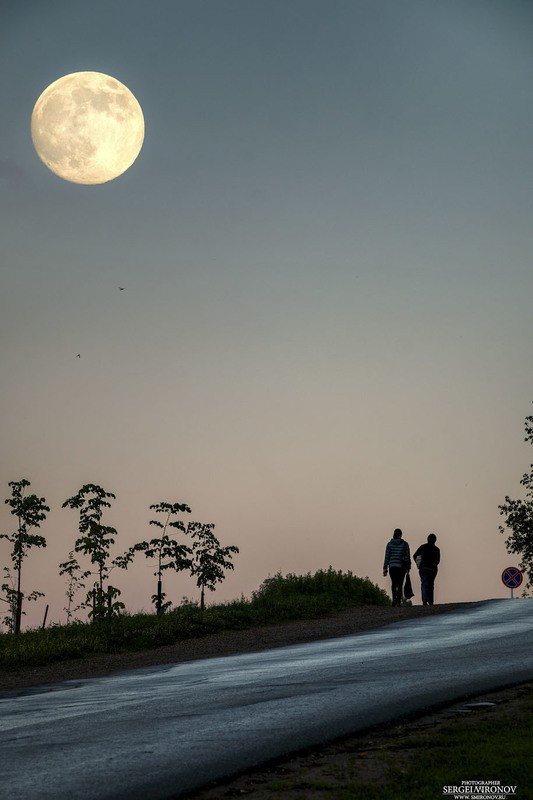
[87,127]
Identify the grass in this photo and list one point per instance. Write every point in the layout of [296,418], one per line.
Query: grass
[485,751]
[278,599]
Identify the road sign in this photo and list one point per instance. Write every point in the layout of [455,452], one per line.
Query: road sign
[512,578]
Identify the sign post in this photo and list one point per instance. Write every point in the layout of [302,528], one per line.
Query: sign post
[512,578]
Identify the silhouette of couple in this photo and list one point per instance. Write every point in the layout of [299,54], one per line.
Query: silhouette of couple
[398,564]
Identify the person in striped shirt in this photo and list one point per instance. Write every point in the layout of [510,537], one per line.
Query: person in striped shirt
[398,563]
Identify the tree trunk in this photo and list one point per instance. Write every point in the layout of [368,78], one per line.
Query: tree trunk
[18,613]
[202,599]
[159,601]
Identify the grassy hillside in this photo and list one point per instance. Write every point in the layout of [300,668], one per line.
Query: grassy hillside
[278,599]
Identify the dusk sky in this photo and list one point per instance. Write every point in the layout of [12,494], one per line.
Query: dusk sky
[326,245]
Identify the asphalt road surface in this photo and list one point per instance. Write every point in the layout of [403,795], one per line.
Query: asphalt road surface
[158,732]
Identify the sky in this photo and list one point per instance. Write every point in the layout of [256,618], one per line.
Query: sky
[325,243]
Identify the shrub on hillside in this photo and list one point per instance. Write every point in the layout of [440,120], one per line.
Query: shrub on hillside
[327,589]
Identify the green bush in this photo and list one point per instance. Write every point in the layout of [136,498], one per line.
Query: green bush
[334,589]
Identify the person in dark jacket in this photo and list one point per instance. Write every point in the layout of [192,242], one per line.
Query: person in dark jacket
[427,559]
[398,563]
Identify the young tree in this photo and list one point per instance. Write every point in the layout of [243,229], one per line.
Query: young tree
[168,553]
[210,559]
[519,517]
[30,511]
[95,541]
[11,598]
[75,582]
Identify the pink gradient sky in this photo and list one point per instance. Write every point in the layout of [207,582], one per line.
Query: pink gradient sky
[326,247]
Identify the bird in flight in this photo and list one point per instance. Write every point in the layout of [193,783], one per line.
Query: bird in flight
[121,288]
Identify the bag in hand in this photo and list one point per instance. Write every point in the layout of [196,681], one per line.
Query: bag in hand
[407,588]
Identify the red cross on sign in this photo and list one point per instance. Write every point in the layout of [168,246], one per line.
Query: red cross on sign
[512,577]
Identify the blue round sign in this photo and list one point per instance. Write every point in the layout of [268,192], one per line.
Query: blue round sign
[512,577]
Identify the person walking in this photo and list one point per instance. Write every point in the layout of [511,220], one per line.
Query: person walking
[427,559]
[398,563]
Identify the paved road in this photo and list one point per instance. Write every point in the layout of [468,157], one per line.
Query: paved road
[155,733]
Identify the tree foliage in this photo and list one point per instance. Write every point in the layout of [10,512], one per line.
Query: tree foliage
[95,541]
[30,511]
[11,597]
[519,517]
[210,559]
[205,559]
[75,581]
[167,552]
